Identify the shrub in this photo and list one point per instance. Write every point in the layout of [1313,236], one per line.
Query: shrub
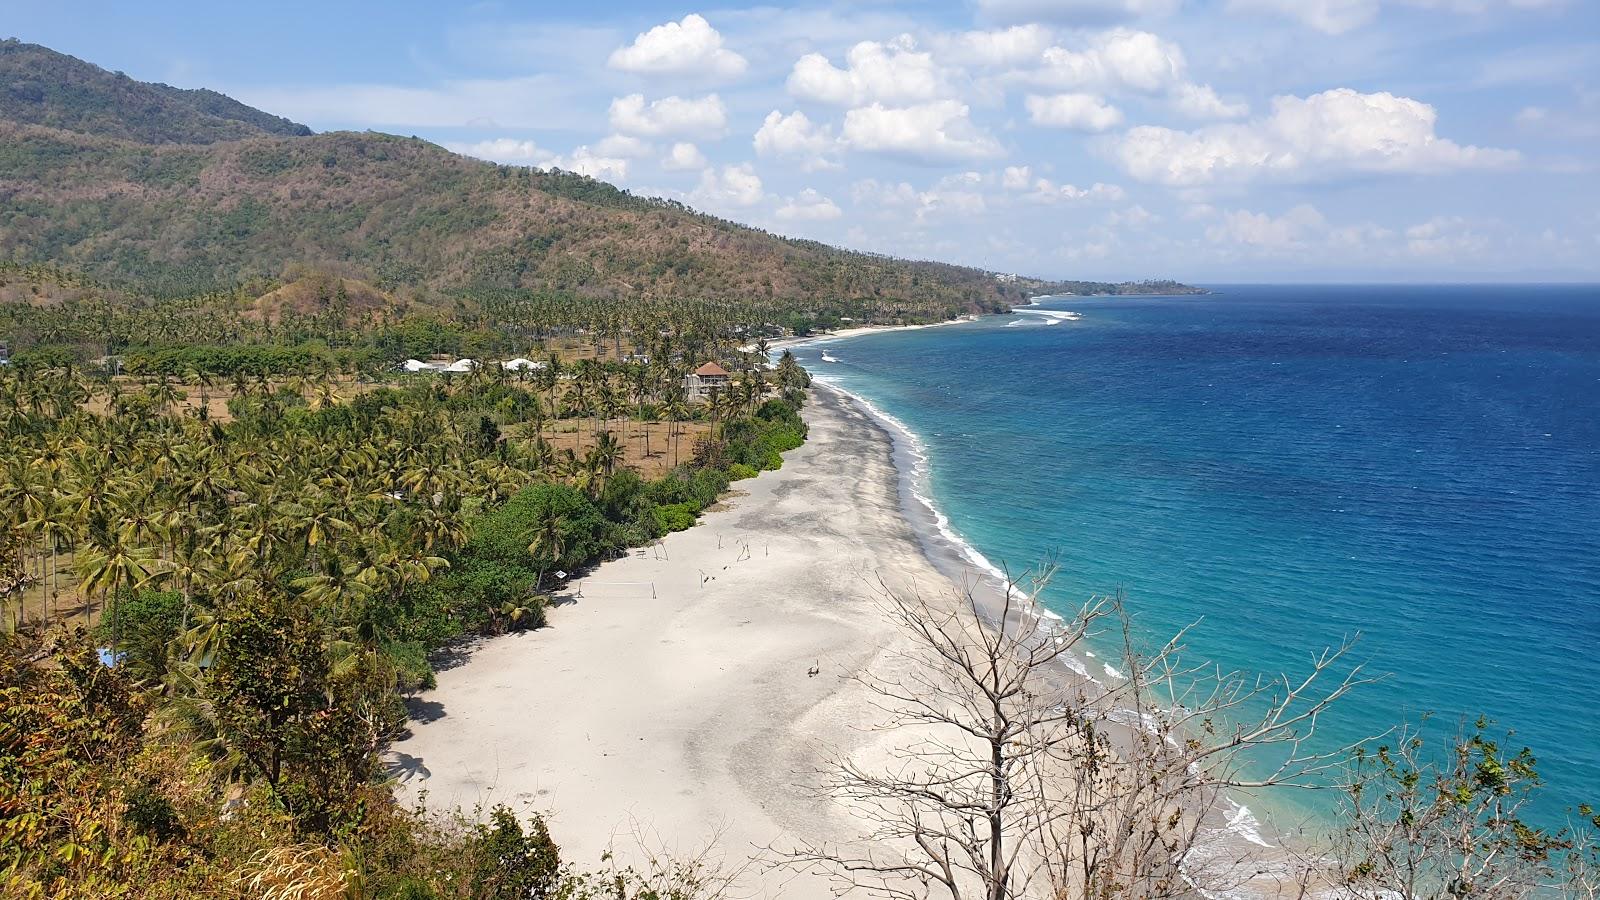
[504,534]
[411,667]
[740,471]
[675,517]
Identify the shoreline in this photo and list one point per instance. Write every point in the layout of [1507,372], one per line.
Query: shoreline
[670,701]
[1237,830]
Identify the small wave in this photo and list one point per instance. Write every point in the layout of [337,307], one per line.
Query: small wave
[1112,672]
[827,358]
[1244,823]
[1051,316]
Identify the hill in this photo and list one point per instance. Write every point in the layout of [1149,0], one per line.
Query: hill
[175,193]
[42,87]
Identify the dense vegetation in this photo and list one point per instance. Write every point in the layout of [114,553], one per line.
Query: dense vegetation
[42,87]
[183,193]
[270,584]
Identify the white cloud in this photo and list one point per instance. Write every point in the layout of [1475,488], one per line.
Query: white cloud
[1199,101]
[1262,230]
[1046,191]
[594,163]
[677,116]
[957,195]
[1321,136]
[587,162]
[688,47]
[929,132]
[1121,61]
[794,136]
[1329,16]
[1339,16]
[733,185]
[1135,216]
[1081,112]
[1074,12]
[1016,178]
[623,145]
[809,206]
[893,72]
[1120,58]
[1449,237]
[502,150]
[1001,47]
[683,156]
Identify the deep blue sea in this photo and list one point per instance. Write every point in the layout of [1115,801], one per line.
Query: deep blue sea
[1290,466]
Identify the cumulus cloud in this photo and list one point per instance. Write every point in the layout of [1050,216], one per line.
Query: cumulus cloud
[809,206]
[1126,61]
[1016,178]
[674,116]
[1080,112]
[733,185]
[683,156]
[928,132]
[893,72]
[623,145]
[1255,229]
[688,47]
[502,150]
[1043,190]
[957,195]
[593,162]
[1321,136]
[1073,12]
[1001,47]
[794,136]
[587,162]
[1199,101]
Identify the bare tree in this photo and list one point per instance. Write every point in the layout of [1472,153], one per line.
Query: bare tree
[1014,774]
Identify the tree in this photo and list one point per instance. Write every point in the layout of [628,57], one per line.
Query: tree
[1423,825]
[277,705]
[1011,777]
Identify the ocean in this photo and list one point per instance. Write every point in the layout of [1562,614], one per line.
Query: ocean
[1286,467]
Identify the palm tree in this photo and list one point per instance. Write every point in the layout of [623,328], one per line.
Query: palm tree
[108,564]
[548,542]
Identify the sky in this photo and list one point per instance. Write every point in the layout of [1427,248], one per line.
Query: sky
[1203,140]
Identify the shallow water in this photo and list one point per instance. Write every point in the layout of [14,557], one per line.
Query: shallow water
[1292,466]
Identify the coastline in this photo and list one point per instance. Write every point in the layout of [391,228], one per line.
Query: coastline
[670,699]
[1234,834]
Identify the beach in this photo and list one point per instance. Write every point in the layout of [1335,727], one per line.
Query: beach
[670,700]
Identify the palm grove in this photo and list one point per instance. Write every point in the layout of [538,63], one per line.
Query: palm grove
[269,581]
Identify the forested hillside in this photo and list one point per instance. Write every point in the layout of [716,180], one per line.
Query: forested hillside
[176,193]
[42,87]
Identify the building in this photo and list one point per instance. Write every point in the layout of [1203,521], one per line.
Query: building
[522,364]
[699,384]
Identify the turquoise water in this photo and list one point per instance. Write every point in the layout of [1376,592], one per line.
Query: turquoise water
[1292,466]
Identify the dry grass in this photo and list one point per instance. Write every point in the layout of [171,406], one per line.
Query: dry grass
[564,434]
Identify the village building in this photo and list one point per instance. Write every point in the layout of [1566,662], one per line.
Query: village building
[699,384]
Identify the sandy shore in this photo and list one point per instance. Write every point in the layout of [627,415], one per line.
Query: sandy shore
[671,697]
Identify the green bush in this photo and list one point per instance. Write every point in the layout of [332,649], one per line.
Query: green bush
[740,471]
[505,534]
[411,667]
[675,517]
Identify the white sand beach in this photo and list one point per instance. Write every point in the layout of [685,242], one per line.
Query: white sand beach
[670,697]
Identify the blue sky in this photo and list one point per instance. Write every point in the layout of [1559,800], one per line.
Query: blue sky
[1204,140]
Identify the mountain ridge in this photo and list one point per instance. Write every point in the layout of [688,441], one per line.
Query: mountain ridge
[187,194]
